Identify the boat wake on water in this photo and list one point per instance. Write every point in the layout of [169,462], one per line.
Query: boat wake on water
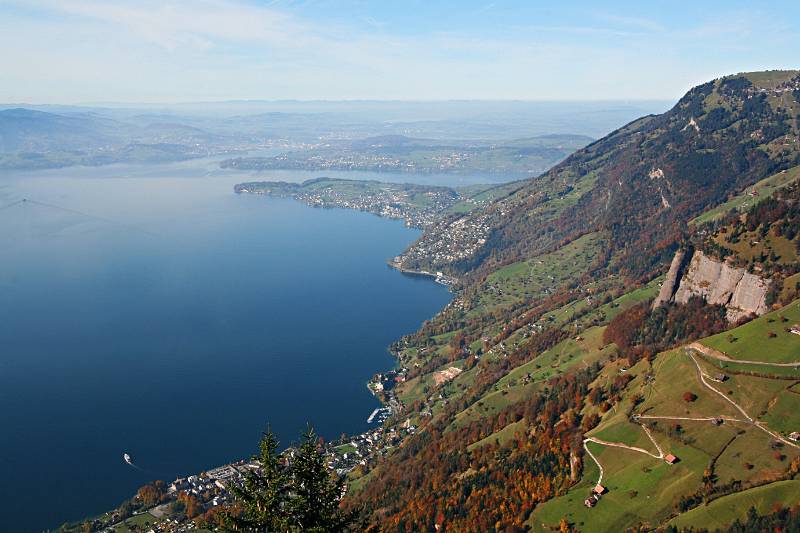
[127,458]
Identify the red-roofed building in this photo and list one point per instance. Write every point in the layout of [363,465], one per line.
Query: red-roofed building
[671,459]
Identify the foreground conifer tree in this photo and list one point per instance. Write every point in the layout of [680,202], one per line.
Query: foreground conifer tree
[303,496]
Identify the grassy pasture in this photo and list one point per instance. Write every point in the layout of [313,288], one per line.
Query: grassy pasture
[534,278]
[752,341]
[751,448]
[675,374]
[744,200]
[641,490]
[784,412]
[721,512]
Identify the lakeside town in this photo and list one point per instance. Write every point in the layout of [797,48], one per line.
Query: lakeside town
[446,162]
[419,206]
[449,237]
[448,241]
[401,154]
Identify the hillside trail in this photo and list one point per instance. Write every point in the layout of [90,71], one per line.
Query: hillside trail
[716,354]
[702,377]
[621,445]
[747,418]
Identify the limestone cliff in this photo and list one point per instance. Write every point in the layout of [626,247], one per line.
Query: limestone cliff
[718,283]
[671,281]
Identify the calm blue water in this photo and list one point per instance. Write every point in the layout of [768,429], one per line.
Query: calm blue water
[175,326]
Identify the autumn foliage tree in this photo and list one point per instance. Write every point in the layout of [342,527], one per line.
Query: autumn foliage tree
[641,332]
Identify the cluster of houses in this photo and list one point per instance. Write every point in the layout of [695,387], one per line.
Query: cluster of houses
[451,241]
[386,202]
[212,486]
[779,90]
[387,381]
[362,449]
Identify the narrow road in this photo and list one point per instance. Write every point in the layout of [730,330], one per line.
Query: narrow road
[600,479]
[716,354]
[625,446]
[694,418]
[749,420]
[704,382]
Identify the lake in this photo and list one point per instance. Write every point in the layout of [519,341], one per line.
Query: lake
[150,310]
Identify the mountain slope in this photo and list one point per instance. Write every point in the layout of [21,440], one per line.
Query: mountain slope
[546,352]
[641,183]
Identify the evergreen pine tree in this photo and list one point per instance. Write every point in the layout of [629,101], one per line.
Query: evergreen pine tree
[263,498]
[303,497]
[316,494]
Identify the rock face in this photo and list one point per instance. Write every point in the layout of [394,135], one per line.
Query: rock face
[671,282]
[718,283]
[574,466]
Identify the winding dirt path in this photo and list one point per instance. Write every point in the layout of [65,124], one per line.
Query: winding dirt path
[702,377]
[599,479]
[716,354]
[694,418]
[749,420]
[625,446]
[621,445]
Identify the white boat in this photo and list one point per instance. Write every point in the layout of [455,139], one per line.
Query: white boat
[127,459]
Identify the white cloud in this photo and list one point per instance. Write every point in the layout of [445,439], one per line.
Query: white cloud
[67,51]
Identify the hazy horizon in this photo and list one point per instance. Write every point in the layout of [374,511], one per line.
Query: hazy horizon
[221,50]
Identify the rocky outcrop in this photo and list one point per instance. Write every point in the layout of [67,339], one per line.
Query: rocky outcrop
[671,282]
[741,292]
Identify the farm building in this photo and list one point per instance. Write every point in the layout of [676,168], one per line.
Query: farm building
[671,459]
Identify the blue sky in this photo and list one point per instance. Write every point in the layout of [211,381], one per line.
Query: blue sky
[72,51]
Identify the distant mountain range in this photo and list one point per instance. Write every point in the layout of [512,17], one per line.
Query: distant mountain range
[54,136]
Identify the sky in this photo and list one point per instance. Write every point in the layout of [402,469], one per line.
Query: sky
[142,51]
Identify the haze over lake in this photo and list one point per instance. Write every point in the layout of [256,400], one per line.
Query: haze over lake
[150,310]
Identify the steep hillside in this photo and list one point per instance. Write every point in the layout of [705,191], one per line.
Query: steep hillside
[641,183]
[727,421]
[697,275]
[537,380]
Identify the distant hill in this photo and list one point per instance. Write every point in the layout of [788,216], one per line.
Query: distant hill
[32,131]
[399,153]
[38,139]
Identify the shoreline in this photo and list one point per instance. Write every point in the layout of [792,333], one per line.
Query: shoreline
[221,476]
[438,277]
